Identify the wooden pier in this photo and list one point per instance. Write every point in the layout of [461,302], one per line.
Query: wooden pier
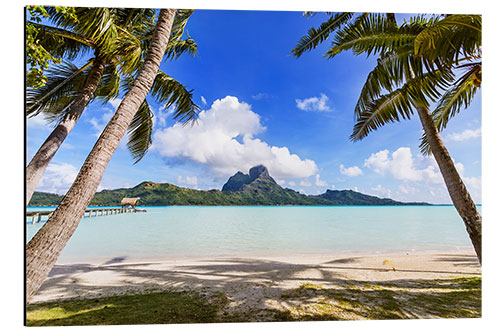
[37,216]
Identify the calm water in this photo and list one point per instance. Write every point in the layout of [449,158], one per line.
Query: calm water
[179,232]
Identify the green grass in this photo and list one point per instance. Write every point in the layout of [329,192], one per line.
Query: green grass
[450,298]
[153,308]
[446,298]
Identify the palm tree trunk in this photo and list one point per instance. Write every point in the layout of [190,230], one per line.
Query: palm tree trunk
[38,164]
[44,248]
[456,188]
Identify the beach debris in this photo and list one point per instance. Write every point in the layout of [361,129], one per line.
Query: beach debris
[386,261]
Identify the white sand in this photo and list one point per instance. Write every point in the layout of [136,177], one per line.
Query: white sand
[249,283]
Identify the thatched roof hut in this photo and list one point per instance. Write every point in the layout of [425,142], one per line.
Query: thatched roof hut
[130,202]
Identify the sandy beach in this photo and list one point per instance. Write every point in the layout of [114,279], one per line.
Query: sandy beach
[253,283]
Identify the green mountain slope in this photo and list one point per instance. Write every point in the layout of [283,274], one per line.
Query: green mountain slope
[349,197]
[257,188]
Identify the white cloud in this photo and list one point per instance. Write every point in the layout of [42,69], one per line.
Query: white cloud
[407,189]
[320,182]
[160,118]
[100,123]
[400,166]
[188,180]
[465,135]
[38,122]
[292,183]
[379,189]
[223,140]
[281,182]
[351,171]
[333,187]
[203,100]
[313,104]
[115,102]
[305,183]
[473,184]
[57,178]
[260,96]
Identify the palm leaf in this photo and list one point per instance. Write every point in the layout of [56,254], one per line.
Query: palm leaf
[62,43]
[373,34]
[169,92]
[457,97]
[140,131]
[109,86]
[387,108]
[449,39]
[64,82]
[316,36]
[176,48]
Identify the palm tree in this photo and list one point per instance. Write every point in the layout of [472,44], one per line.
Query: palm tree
[417,66]
[44,248]
[118,37]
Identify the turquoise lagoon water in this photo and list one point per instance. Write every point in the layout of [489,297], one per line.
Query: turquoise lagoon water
[196,231]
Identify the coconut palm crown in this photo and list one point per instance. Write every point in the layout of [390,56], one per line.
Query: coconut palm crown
[424,61]
[120,37]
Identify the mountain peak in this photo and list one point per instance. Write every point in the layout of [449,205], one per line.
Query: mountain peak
[258,171]
[239,179]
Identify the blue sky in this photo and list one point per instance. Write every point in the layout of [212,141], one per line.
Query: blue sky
[261,105]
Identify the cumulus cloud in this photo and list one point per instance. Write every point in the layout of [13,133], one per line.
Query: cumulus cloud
[473,184]
[379,189]
[224,140]
[313,104]
[305,183]
[465,135]
[320,182]
[188,180]
[99,123]
[400,164]
[160,118]
[57,178]
[38,122]
[292,183]
[351,171]
[332,187]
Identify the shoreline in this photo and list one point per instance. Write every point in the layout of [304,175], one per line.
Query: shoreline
[138,259]
[251,282]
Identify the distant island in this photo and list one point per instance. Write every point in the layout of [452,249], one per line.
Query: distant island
[257,188]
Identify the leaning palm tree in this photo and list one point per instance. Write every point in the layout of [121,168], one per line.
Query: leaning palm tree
[44,248]
[118,38]
[417,66]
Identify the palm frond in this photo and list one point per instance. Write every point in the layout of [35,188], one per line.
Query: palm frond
[176,48]
[62,43]
[459,96]
[386,76]
[140,131]
[316,36]
[180,21]
[92,23]
[109,86]
[373,34]
[387,108]
[449,39]
[64,82]
[424,146]
[169,92]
